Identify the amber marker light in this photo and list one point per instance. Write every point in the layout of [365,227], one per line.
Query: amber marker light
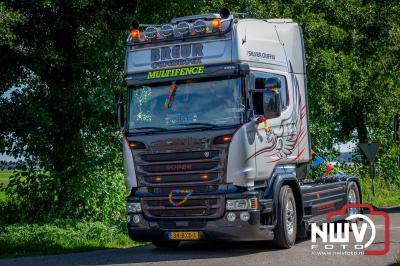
[135,34]
[223,139]
[136,145]
[216,24]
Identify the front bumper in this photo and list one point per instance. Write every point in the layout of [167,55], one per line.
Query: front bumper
[213,230]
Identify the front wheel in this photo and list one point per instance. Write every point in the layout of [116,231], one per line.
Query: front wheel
[286,228]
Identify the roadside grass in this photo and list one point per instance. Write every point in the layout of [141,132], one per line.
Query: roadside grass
[4,177]
[61,236]
[386,194]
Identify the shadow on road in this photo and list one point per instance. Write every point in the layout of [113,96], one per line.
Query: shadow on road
[149,254]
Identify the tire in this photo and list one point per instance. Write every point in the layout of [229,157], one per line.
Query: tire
[165,244]
[286,229]
[353,196]
[352,189]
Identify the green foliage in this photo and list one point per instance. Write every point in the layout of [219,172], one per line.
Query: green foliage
[9,19]
[60,236]
[398,259]
[387,192]
[63,61]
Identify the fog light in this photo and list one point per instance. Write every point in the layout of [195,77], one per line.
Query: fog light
[244,216]
[136,218]
[231,216]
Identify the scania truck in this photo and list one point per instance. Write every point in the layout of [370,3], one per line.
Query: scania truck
[216,133]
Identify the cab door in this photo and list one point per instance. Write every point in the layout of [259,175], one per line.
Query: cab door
[276,126]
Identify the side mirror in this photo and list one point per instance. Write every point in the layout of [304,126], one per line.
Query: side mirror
[119,109]
[272,83]
[272,104]
[272,98]
[251,113]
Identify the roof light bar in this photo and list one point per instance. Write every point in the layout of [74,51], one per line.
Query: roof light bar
[183,28]
[200,26]
[151,33]
[167,31]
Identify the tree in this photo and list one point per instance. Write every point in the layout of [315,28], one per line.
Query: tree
[63,60]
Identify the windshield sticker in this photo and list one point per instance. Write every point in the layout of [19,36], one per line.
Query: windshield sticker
[178,55]
[170,97]
[183,71]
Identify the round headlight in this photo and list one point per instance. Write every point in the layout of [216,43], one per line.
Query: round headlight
[136,219]
[231,216]
[150,33]
[183,28]
[167,30]
[245,216]
[199,26]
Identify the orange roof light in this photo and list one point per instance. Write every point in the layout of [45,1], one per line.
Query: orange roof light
[135,33]
[216,23]
[205,177]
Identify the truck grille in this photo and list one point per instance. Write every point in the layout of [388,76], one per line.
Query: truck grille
[205,207]
[199,171]
[180,168]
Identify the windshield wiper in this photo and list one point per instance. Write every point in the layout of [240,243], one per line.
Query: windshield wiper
[150,128]
[207,125]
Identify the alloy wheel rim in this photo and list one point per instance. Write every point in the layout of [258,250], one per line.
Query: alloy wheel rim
[352,199]
[290,219]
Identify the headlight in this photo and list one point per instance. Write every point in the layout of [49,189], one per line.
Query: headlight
[242,204]
[132,207]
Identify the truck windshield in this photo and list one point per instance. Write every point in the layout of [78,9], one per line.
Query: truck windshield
[210,102]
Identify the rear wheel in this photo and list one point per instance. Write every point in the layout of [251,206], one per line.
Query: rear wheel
[353,197]
[286,228]
[166,244]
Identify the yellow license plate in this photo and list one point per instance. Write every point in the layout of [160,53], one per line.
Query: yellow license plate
[183,235]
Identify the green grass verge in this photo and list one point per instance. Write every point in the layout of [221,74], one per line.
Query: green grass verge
[386,194]
[4,177]
[60,237]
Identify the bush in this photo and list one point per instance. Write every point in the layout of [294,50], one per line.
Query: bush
[387,192]
[61,236]
[96,193]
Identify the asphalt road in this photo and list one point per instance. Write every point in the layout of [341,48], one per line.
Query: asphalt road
[232,254]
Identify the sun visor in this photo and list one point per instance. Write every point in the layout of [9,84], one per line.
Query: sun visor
[178,55]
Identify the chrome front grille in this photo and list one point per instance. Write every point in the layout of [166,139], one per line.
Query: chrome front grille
[198,167]
[198,171]
[205,207]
